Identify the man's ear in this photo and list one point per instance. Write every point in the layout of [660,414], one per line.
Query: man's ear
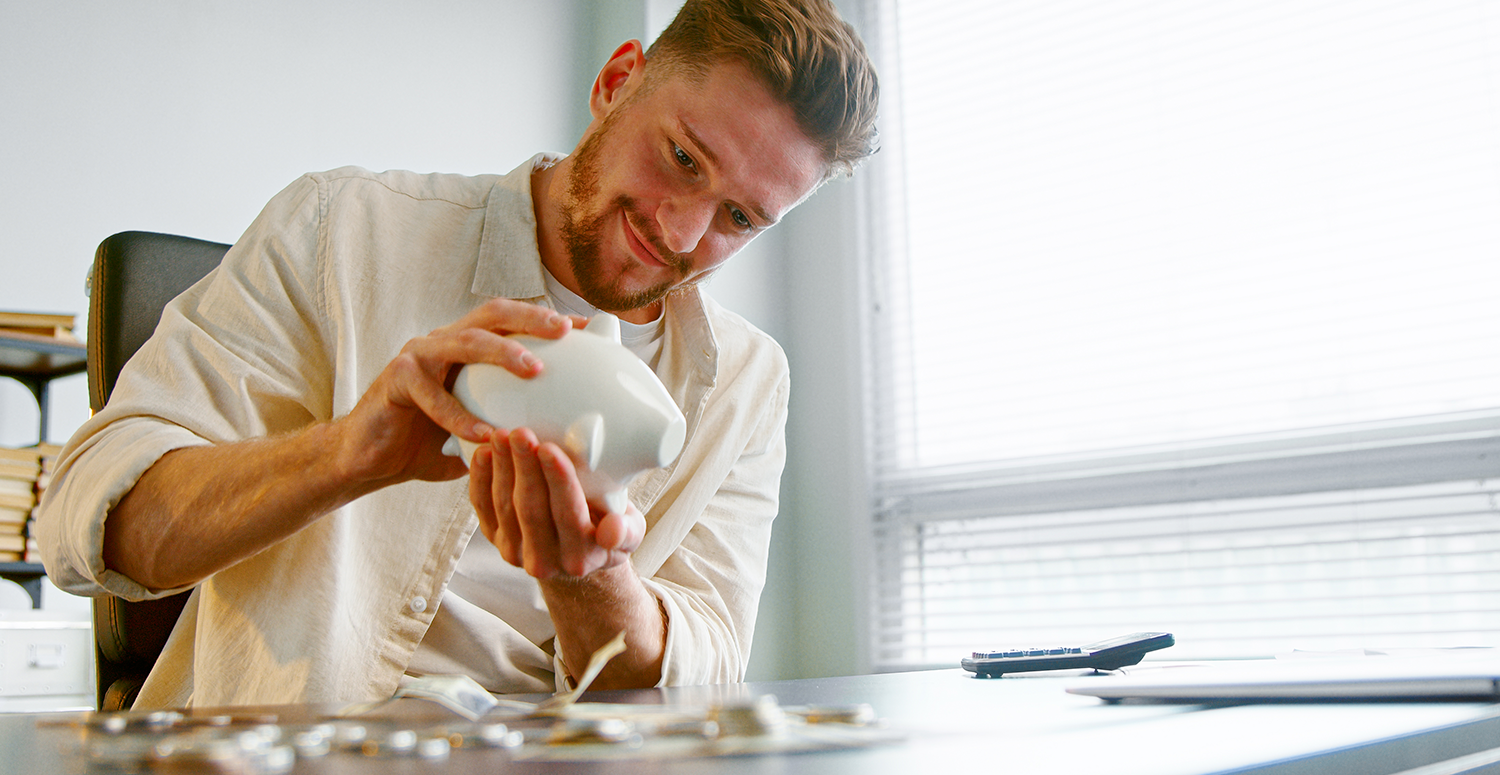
[621,76]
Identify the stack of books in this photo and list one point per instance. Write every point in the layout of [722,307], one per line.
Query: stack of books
[24,474]
[37,325]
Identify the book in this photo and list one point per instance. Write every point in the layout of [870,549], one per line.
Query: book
[12,556]
[20,469]
[63,335]
[14,501]
[20,456]
[31,466]
[13,543]
[44,324]
[17,485]
[49,454]
[18,319]
[38,326]
[13,518]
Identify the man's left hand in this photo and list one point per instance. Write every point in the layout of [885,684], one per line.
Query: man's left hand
[531,506]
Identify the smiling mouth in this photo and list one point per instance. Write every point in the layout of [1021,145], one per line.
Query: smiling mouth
[644,242]
[640,244]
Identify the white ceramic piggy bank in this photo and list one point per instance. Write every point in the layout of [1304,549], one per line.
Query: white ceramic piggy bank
[594,398]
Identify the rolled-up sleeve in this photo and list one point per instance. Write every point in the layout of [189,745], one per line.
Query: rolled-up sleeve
[92,476]
[231,359]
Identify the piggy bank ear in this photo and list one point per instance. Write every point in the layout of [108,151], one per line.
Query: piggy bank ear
[585,439]
[604,325]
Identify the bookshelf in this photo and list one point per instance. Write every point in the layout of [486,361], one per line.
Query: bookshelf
[28,575]
[35,361]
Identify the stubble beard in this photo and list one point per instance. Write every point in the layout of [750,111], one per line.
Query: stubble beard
[583,236]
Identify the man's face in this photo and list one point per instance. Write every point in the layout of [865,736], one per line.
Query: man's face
[674,181]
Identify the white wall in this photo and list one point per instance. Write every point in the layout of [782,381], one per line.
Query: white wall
[185,116]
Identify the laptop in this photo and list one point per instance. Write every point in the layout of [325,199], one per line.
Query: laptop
[1459,674]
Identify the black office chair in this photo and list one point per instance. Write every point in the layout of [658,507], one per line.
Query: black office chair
[135,275]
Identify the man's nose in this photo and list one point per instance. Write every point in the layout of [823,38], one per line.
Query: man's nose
[683,222]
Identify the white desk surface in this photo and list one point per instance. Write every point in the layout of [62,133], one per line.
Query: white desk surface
[954,723]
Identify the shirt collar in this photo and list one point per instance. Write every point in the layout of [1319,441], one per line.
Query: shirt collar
[510,262]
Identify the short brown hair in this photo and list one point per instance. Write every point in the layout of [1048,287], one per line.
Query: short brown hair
[804,53]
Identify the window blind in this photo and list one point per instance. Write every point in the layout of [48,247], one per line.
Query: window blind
[1167,293]
[1386,568]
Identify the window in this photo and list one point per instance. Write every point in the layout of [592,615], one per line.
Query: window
[1184,318]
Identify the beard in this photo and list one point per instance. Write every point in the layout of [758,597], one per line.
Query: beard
[583,236]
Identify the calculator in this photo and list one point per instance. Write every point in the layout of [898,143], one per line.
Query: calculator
[1109,654]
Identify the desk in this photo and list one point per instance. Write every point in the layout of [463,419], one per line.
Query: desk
[957,724]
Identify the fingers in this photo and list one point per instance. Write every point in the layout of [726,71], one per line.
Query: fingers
[458,344]
[532,500]
[507,316]
[621,532]
[417,379]
[578,554]
[421,375]
[507,534]
[481,474]
[531,506]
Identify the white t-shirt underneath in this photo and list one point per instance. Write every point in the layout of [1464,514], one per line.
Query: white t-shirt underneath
[492,624]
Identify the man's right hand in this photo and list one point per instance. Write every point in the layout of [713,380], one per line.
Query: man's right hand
[397,430]
[199,510]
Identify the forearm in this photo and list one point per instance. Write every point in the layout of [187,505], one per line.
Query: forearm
[198,510]
[588,611]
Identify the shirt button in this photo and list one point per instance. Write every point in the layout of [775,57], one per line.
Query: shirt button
[418,605]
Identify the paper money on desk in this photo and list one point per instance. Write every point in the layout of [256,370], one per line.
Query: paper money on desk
[464,696]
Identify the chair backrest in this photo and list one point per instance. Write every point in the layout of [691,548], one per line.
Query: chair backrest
[135,274]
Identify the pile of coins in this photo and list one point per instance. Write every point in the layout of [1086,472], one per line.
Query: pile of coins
[760,717]
[251,744]
[166,741]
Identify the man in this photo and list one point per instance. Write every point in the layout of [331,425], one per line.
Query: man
[276,445]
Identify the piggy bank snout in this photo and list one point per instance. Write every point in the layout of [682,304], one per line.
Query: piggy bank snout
[672,439]
[658,447]
[651,429]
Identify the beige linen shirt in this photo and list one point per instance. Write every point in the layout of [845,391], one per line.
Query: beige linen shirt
[336,274]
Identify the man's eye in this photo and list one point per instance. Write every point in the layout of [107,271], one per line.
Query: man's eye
[740,219]
[682,157]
